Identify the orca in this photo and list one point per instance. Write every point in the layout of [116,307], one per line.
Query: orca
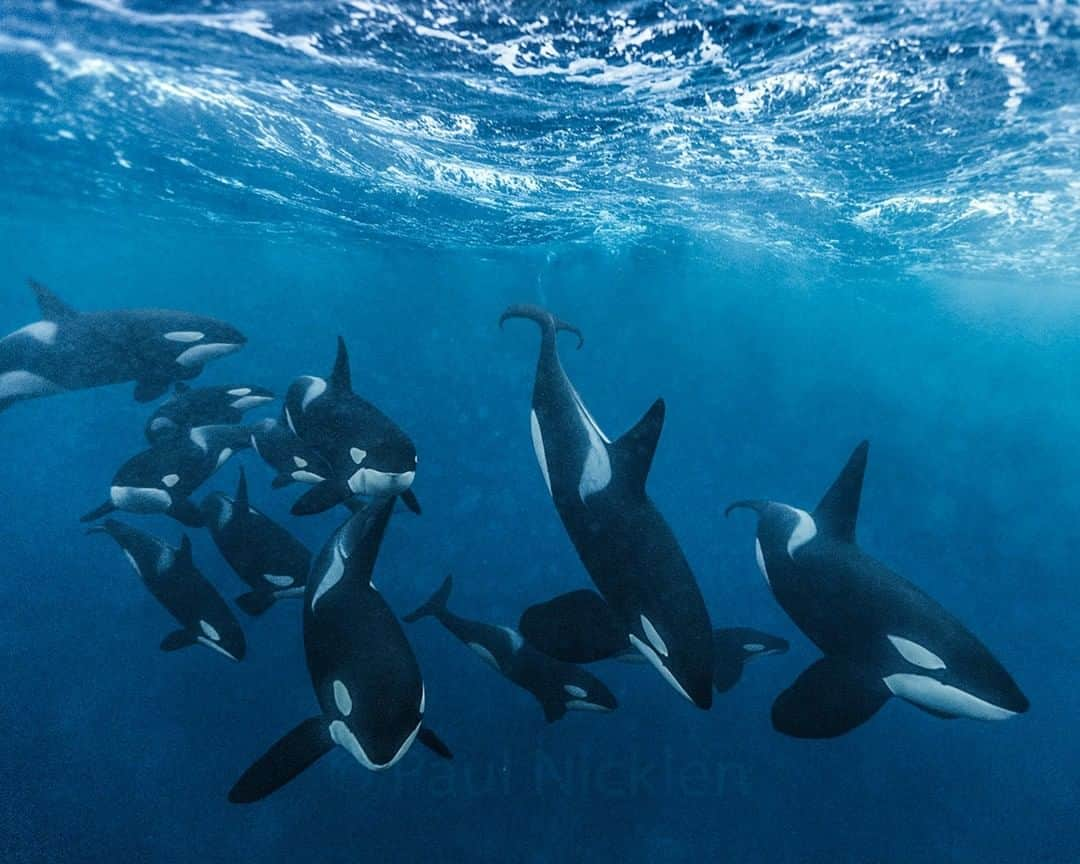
[367,453]
[627,547]
[557,686]
[261,552]
[70,350]
[162,478]
[879,634]
[292,459]
[580,627]
[366,679]
[204,406]
[171,576]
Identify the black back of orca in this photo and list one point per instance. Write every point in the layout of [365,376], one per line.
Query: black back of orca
[557,686]
[260,551]
[881,636]
[367,452]
[625,543]
[175,582]
[70,350]
[364,673]
[204,406]
[292,460]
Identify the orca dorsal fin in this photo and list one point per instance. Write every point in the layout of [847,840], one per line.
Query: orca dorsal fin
[341,377]
[838,511]
[638,444]
[52,307]
[242,493]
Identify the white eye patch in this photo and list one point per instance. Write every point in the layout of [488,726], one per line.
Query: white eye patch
[184,336]
[170,480]
[240,391]
[358,455]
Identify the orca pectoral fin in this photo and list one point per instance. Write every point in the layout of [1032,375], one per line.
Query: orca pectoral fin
[185,512]
[299,749]
[281,481]
[149,389]
[320,498]
[95,514]
[579,627]
[554,710]
[828,699]
[434,743]
[176,640]
[255,602]
[408,498]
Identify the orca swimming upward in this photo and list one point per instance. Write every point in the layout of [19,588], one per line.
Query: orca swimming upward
[580,627]
[161,479]
[557,686]
[291,458]
[266,556]
[366,451]
[881,636]
[204,406]
[172,577]
[69,350]
[627,547]
[366,678]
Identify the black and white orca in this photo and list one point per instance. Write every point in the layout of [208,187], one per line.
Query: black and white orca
[263,553]
[580,627]
[292,459]
[557,686]
[367,453]
[881,636]
[70,350]
[626,545]
[366,678]
[172,577]
[204,406]
[161,479]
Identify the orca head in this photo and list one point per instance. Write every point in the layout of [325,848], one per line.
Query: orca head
[197,339]
[685,666]
[782,532]
[222,634]
[247,397]
[584,692]
[376,732]
[145,482]
[382,468]
[755,643]
[147,555]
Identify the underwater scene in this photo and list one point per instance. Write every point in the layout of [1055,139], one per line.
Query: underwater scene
[499,431]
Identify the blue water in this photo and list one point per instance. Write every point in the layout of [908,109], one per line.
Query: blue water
[802,225]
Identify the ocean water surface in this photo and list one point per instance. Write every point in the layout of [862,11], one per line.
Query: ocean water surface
[803,225]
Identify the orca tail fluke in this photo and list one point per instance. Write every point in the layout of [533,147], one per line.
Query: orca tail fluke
[95,514]
[289,757]
[255,603]
[548,322]
[435,604]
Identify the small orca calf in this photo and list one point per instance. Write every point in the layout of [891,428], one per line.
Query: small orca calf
[881,636]
[626,545]
[161,479]
[266,556]
[366,451]
[580,627]
[172,577]
[204,406]
[69,350]
[557,686]
[291,458]
[366,678]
